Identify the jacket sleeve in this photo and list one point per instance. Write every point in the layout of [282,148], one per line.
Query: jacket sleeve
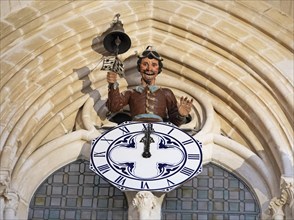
[172,109]
[116,100]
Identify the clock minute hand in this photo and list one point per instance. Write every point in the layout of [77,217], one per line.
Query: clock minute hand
[147,139]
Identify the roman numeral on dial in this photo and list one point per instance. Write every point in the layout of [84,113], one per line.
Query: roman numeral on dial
[144,185]
[193,156]
[190,141]
[124,130]
[187,171]
[100,154]
[107,140]
[120,180]
[170,183]
[104,168]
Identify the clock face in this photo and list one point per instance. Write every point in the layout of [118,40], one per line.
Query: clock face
[146,156]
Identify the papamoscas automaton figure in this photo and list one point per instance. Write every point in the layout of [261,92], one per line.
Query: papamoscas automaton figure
[149,153]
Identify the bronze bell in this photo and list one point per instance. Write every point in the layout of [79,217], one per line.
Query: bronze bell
[117,41]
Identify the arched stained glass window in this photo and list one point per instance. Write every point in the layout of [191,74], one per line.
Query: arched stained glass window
[75,192]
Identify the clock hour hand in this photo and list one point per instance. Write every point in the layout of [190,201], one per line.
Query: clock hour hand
[147,139]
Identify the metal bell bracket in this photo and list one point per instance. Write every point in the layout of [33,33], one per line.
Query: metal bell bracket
[116,42]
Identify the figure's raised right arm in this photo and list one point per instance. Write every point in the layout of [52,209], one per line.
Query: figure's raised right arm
[116,100]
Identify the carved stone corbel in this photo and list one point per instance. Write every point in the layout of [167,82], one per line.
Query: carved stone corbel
[4,181]
[8,199]
[287,187]
[276,209]
[278,205]
[144,205]
[4,184]
[11,204]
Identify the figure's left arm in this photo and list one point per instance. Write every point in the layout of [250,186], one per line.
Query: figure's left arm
[177,113]
[185,106]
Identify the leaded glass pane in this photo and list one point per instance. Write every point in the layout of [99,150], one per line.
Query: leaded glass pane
[214,194]
[75,192]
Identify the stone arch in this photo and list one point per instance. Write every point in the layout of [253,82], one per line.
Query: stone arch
[235,58]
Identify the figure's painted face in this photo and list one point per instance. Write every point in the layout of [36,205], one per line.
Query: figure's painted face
[149,70]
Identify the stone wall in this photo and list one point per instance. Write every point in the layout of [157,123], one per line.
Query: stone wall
[234,58]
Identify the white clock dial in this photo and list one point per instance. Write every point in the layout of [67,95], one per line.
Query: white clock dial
[146,156]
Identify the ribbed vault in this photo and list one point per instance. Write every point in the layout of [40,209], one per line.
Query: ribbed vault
[234,58]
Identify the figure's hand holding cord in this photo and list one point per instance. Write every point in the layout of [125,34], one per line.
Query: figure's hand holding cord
[111,77]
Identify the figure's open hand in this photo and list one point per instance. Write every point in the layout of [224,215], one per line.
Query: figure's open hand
[111,77]
[185,106]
